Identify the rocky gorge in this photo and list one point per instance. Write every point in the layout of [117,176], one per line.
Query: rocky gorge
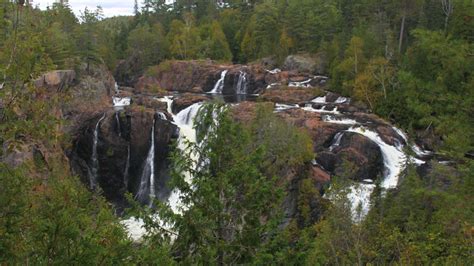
[122,141]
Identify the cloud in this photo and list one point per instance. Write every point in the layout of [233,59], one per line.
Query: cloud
[111,7]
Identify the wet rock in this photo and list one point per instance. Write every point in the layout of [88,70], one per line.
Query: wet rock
[119,132]
[186,100]
[327,160]
[331,97]
[358,158]
[149,102]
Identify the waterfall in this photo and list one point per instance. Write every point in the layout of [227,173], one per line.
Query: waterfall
[95,160]
[186,116]
[121,102]
[117,119]
[169,103]
[337,141]
[127,169]
[242,83]
[393,157]
[148,174]
[219,86]
[185,121]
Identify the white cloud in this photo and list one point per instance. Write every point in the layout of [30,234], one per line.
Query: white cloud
[111,7]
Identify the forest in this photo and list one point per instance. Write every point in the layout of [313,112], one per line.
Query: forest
[407,62]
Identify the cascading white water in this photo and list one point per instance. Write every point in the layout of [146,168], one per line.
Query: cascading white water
[310,108]
[121,102]
[219,86]
[169,103]
[146,190]
[117,119]
[282,107]
[341,100]
[319,100]
[127,169]
[302,84]
[337,141]
[242,83]
[95,159]
[359,195]
[185,121]
[394,158]
[339,120]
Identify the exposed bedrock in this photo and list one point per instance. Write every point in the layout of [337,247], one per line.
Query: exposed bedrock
[202,77]
[124,139]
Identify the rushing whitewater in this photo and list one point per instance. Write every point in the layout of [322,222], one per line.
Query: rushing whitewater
[302,84]
[117,120]
[95,159]
[219,86]
[121,102]
[146,190]
[337,141]
[185,121]
[127,169]
[393,157]
[242,83]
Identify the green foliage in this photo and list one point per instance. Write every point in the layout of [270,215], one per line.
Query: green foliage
[424,221]
[88,36]
[184,39]
[230,206]
[407,60]
[149,43]
[214,44]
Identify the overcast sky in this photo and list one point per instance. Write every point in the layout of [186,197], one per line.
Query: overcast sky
[111,7]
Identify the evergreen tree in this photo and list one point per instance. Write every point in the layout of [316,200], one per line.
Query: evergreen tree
[87,36]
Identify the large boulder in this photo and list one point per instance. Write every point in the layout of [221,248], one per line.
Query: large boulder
[357,158]
[305,63]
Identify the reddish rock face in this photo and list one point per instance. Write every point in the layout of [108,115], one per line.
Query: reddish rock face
[288,95]
[201,76]
[181,76]
[149,102]
[245,111]
[185,100]
[319,175]
[321,132]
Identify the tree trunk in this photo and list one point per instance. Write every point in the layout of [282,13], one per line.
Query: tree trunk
[402,30]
